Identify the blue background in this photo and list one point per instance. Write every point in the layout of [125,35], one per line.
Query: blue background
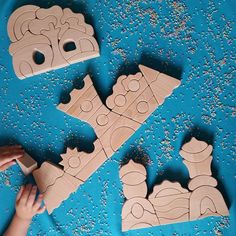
[193,41]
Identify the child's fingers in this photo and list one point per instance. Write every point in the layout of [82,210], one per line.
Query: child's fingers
[25,194]
[7,165]
[7,148]
[32,196]
[41,210]
[38,203]
[20,193]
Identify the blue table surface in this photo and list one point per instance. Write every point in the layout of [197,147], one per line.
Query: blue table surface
[193,41]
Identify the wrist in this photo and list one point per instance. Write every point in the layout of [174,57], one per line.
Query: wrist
[22,220]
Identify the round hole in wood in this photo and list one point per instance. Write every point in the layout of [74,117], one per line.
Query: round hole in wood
[134,85]
[120,100]
[102,119]
[142,107]
[86,106]
[38,57]
[69,46]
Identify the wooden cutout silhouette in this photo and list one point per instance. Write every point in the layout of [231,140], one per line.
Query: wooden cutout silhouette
[169,202]
[113,127]
[27,164]
[64,39]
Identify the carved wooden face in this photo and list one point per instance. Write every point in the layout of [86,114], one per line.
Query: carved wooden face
[46,39]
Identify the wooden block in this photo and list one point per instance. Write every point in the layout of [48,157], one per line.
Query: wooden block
[194,146]
[23,20]
[167,188]
[163,87]
[76,94]
[128,206]
[131,191]
[142,107]
[176,203]
[165,200]
[11,28]
[149,74]
[174,213]
[60,191]
[132,166]
[37,26]
[27,164]
[197,157]
[206,205]
[138,213]
[24,63]
[125,92]
[28,22]
[133,178]
[102,120]
[76,21]
[117,134]
[201,181]
[47,175]
[197,196]
[92,166]
[74,161]
[199,168]
[164,221]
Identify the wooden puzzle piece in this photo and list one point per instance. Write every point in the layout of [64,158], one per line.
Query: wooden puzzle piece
[102,120]
[67,45]
[131,191]
[162,85]
[60,191]
[76,94]
[142,107]
[199,168]
[81,164]
[27,164]
[194,146]
[47,175]
[136,213]
[149,74]
[132,166]
[212,194]
[76,21]
[92,166]
[20,12]
[202,180]
[197,157]
[125,92]
[167,188]
[174,213]
[117,134]
[164,221]
[167,200]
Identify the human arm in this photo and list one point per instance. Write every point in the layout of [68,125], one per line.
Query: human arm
[27,206]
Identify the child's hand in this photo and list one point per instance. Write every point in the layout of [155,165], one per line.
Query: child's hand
[26,204]
[8,154]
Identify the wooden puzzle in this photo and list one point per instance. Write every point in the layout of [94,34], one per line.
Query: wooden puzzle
[27,164]
[47,39]
[170,202]
[133,99]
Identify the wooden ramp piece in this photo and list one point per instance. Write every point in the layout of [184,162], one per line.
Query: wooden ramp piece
[27,164]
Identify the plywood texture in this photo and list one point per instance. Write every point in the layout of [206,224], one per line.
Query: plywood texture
[47,39]
[169,202]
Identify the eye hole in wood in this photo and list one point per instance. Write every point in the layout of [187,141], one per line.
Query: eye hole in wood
[38,58]
[69,46]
